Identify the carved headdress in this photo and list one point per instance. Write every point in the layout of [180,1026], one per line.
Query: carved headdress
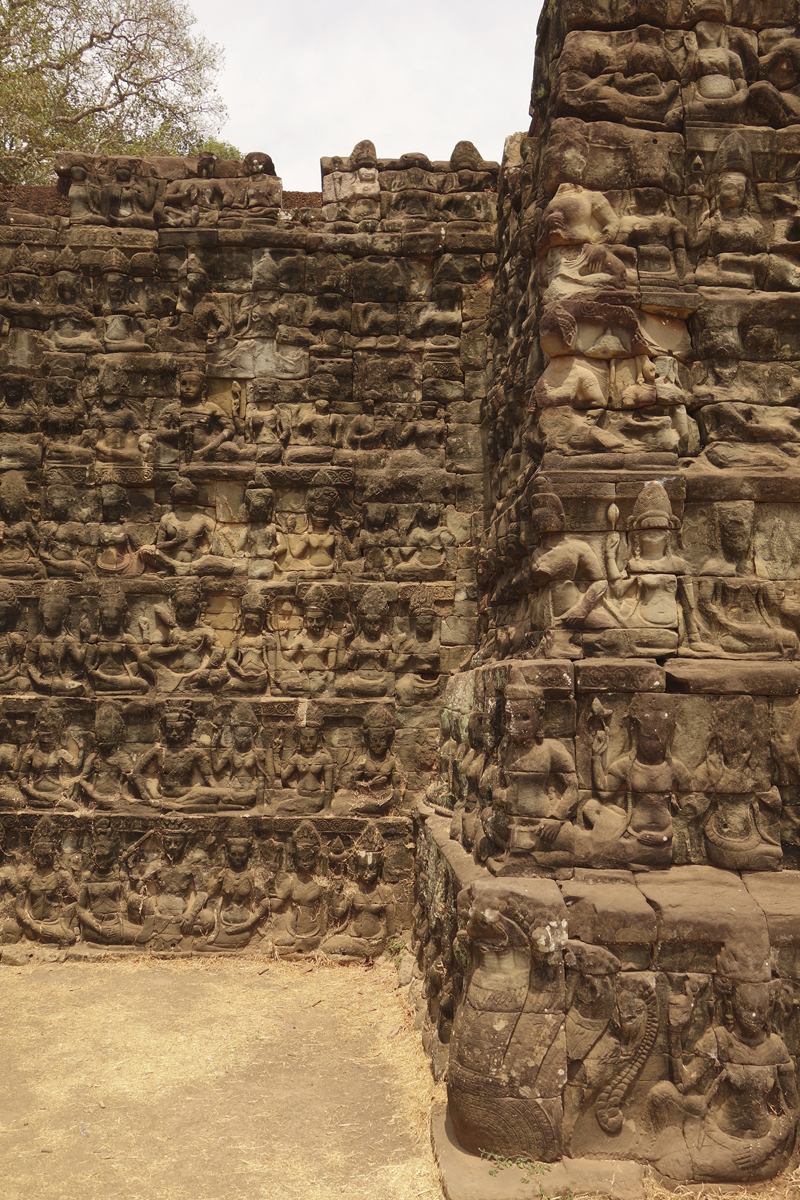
[369,849]
[652,509]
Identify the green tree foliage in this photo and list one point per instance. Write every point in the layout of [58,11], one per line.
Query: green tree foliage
[102,76]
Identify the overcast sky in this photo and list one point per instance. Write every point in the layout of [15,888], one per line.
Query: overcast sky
[312,78]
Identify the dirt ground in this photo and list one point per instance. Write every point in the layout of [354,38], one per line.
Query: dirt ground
[210,1080]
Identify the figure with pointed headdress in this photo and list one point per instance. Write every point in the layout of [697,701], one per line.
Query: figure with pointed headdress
[106,900]
[362,909]
[47,896]
[300,903]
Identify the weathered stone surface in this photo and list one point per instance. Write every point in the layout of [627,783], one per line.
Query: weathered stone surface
[628,727]
[466,1178]
[221,646]
[469,496]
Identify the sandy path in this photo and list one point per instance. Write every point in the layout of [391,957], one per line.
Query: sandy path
[208,1080]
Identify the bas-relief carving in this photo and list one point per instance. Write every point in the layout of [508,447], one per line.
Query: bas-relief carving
[208,610]
[254,551]
[184,887]
[626,731]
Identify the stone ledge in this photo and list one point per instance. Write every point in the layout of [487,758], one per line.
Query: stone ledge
[465,1177]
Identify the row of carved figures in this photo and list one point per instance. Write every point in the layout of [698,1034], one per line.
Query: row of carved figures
[273,650]
[617,381]
[712,73]
[129,198]
[222,765]
[127,439]
[650,602]
[63,542]
[515,796]
[183,894]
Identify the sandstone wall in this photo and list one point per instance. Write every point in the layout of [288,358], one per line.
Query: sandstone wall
[608,860]
[241,474]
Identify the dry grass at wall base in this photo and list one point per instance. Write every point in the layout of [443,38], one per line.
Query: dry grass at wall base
[784,1187]
[212,1079]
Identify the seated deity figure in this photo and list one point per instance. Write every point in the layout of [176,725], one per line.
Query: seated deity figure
[729,1112]
[637,610]
[187,542]
[74,328]
[731,237]
[251,660]
[208,432]
[648,407]
[237,898]
[714,75]
[628,823]
[540,771]
[64,423]
[258,541]
[175,885]
[116,553]
[12,642]
[47,894]
[312,547]
[307,661]
[268,425]
[19,412]
[259,192]
[307,775]
[659,238]
[65,544]
[421,438]
[84,197]
[316,432]
[19,543]
[300,904]
[425,548]
[122,450]
[55,658]
[373,783]
[115,660]
[367,545]
[129,200]
[740,823]
[167,774]
[369,657]
[49,771]
[366,431]
[417,657]
[108,768]
[241,765]
[730,614]
[361,908]
[127,330]
[106,899]
[189,654]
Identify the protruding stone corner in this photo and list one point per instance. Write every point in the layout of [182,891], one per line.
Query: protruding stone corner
[464,1176]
